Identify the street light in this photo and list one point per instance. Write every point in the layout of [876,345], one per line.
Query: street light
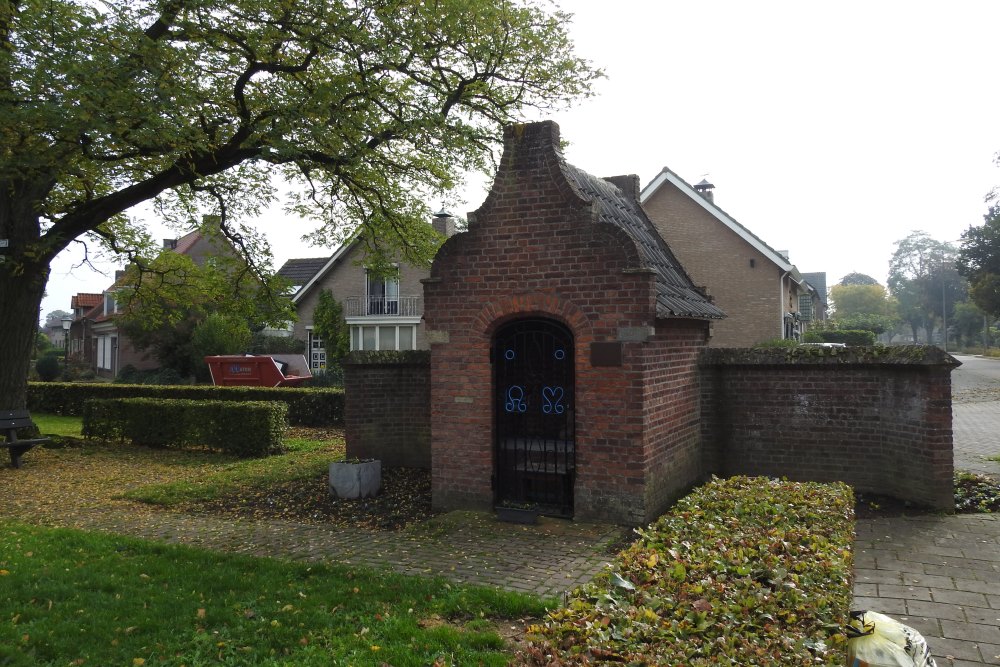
[67,322]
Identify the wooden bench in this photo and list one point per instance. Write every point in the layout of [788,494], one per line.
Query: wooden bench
[10,422]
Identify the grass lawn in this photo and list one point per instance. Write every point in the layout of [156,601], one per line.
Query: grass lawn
[170,477]
[76,598]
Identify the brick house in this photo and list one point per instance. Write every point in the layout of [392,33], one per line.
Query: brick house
[94,335]
[382,312]
[564,339]
[762,292]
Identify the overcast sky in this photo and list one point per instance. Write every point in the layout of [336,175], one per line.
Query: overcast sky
[831,130]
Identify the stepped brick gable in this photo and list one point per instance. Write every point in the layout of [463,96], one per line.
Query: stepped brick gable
[557,245]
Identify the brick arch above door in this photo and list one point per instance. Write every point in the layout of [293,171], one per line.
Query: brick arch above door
[532,304]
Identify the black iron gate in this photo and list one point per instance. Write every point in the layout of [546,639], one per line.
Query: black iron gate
[535,454]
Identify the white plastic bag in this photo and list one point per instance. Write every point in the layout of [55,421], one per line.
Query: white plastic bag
[875,640]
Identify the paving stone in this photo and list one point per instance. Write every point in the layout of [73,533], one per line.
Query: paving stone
[904,592]
[974,632]
[935,610]
[959,597]
[942,647]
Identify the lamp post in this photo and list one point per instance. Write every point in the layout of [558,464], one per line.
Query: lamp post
[67,322]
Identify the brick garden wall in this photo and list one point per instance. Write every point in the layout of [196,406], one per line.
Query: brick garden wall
[881,424]
[387,407]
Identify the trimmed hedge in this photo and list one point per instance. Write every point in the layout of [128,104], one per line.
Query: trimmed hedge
[250,428]
[845,336]
[306,407]
[744,571]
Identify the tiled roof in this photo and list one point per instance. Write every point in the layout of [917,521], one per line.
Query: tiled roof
[300,271]
[676,295]
[186,242]
[86,300]
[818,281]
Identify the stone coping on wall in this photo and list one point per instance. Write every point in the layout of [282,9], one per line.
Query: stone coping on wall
[814,355]
[388,358]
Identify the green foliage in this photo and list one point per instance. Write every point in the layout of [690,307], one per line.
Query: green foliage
[852,300]
[306,407]
[976,493]
[925,281]
[218,334]
[877,324]
[367,110]
[741,571]
[261,343]
[329,324]
[845,336]
[856,278]
[985,291]
[42,344]
[163,604]
[242,428]
[49,366]
[778,343]
[129,374]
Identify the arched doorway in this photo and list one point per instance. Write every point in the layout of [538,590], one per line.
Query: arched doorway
[534,408]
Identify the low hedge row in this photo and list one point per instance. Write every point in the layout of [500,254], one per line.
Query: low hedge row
[306,407]
[249,428]
[846,336]
[744,571]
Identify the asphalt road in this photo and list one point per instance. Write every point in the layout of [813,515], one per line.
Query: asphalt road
[975,373]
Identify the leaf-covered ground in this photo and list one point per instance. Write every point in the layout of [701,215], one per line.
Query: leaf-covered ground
[404,499]
[77,477]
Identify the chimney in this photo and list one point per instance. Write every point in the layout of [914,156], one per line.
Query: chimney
[629,185]
[444,223]
[704,188]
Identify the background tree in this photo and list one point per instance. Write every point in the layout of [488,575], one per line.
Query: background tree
[922,273]
[859,299]
[218,333]
[329,324]
[979,261]
[856,278]
[54,319]
[367,108]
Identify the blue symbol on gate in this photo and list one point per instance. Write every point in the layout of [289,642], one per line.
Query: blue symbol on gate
[553,397]
[560,354]
[515,400]
[509,355]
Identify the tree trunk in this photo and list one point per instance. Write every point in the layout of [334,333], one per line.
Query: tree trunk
[24,271]
[21,296]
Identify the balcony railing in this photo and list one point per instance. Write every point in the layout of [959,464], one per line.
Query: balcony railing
[381,306]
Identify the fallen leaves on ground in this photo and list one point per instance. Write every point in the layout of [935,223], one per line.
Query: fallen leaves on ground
[57,484]
[405,498]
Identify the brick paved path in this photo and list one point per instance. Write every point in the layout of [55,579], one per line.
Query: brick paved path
[547,559]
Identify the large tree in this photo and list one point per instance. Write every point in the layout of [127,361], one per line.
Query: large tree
[924,280]
[979,261]
[366,106]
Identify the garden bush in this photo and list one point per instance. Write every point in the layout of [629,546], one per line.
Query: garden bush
[49,366]
[744,571]
[845,336]
[250,428]
[306,407]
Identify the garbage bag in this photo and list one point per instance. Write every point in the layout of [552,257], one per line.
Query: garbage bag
[875,640]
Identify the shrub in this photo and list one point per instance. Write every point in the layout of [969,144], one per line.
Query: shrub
[250,428]
[306,407]
[264,344]
[851,337]
[49,366]
[741,571]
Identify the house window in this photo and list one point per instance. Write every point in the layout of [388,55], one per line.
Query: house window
[382,296]
[317,354]
[383,337]
[105,352]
